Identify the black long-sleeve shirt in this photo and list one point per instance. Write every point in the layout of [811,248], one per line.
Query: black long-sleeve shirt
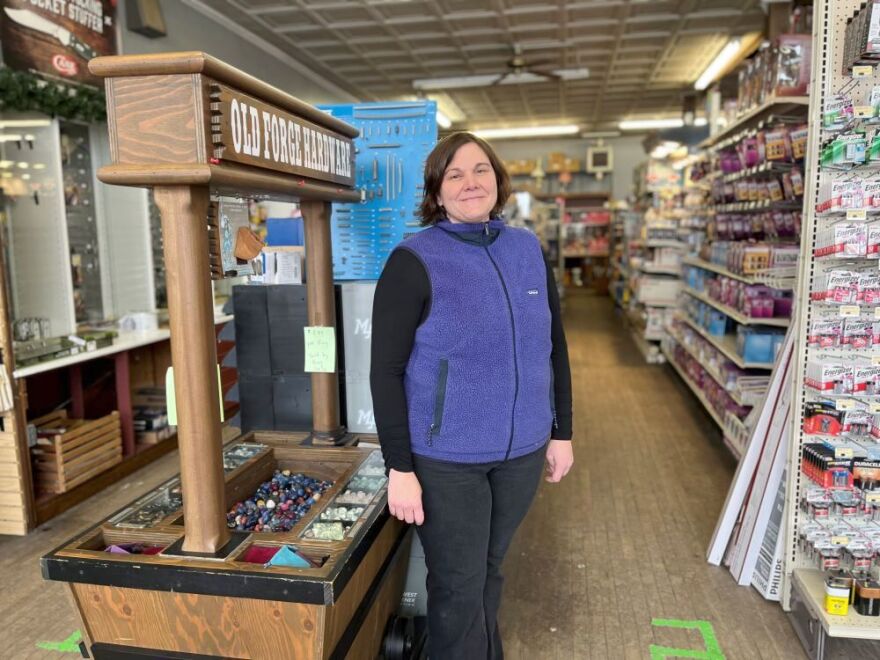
[402,303]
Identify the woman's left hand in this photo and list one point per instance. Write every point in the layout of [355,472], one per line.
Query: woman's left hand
[560,458]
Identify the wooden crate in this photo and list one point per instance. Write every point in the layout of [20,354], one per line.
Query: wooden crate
[72,451]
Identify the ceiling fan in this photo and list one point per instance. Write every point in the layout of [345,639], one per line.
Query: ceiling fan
[519,72]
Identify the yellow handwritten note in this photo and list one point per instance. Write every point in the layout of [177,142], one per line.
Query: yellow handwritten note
[320,349]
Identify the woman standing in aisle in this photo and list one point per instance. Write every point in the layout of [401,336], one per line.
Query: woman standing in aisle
[470,379]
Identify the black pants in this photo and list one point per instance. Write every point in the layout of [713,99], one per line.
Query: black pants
[471,515]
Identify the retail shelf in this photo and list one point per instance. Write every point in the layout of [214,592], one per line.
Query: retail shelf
[657,303]
[715,376]
[773,105]
[584,254]
[731,445]
[696,390]
[810,583]
[727,345]
[766,205]
[649,351]
[769,167]
[715,268]
[585,224]
[126,341]
[663,242]
[658,269]
[736,315]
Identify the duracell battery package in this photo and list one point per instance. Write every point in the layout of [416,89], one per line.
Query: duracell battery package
[866,473]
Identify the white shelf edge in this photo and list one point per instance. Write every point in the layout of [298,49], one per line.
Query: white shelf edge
[726,350]
[737,316]
[742,122]
[715,268]
[126,341]
[854,626]
[645,348]
[695,390]
[716,377]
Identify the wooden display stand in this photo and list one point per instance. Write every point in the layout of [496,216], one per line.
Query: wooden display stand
[189,125]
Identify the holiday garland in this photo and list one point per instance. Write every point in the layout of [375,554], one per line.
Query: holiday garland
[27,92]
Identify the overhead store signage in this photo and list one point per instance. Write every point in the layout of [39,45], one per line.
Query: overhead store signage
[250,132]
[58,37]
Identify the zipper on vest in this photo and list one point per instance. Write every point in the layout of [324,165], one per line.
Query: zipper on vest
[515,365]
[439,401]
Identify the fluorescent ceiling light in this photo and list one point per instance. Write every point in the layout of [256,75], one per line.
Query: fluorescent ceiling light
[600,134]
[442,120]
[719,64]
[656,124]
[650,124]
[448,83]
[24,123]
[527,131]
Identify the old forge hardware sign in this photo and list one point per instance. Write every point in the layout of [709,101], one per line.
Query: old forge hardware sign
[248,131]
[57,37]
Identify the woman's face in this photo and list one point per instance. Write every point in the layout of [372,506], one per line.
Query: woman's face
[470,189]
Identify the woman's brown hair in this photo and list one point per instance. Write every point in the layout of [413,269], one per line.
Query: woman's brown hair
[435,167]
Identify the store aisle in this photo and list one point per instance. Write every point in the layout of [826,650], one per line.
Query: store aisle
[622,540]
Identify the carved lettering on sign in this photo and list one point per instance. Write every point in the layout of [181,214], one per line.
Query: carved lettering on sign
[251,132]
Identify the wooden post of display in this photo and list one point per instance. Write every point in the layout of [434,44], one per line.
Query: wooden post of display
[320,300]
[184,212]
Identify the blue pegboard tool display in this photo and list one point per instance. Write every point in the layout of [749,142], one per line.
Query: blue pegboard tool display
[395,140]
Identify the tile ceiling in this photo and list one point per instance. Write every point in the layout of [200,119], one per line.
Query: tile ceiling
[643,55]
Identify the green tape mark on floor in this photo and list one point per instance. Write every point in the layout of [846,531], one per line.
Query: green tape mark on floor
[711,652]
[69,645]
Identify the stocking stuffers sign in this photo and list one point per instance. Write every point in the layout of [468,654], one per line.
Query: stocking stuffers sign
[57,37]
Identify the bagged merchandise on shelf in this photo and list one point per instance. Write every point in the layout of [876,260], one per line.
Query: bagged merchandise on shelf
[862,37]
[782,69]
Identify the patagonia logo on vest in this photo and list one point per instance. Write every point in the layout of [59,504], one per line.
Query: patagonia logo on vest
[533,292]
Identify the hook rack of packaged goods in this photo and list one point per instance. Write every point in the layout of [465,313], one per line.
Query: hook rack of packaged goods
[832,530]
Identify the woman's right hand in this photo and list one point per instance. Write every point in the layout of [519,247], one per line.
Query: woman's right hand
[405,497]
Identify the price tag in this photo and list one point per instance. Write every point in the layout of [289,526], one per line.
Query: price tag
[864,111]
[845,404]
[875,360]
[874,407]
[850,311]
[863,71]
[877,312]
[843,452]
[857,214]
[872,497]
[839,540]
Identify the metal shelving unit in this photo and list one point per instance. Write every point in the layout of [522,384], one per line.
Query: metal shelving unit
[727,345]
[773,105]
[736,315]
[803,590]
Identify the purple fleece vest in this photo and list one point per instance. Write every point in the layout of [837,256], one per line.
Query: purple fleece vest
[478,382]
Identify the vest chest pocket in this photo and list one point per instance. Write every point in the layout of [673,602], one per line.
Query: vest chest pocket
[439,401]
